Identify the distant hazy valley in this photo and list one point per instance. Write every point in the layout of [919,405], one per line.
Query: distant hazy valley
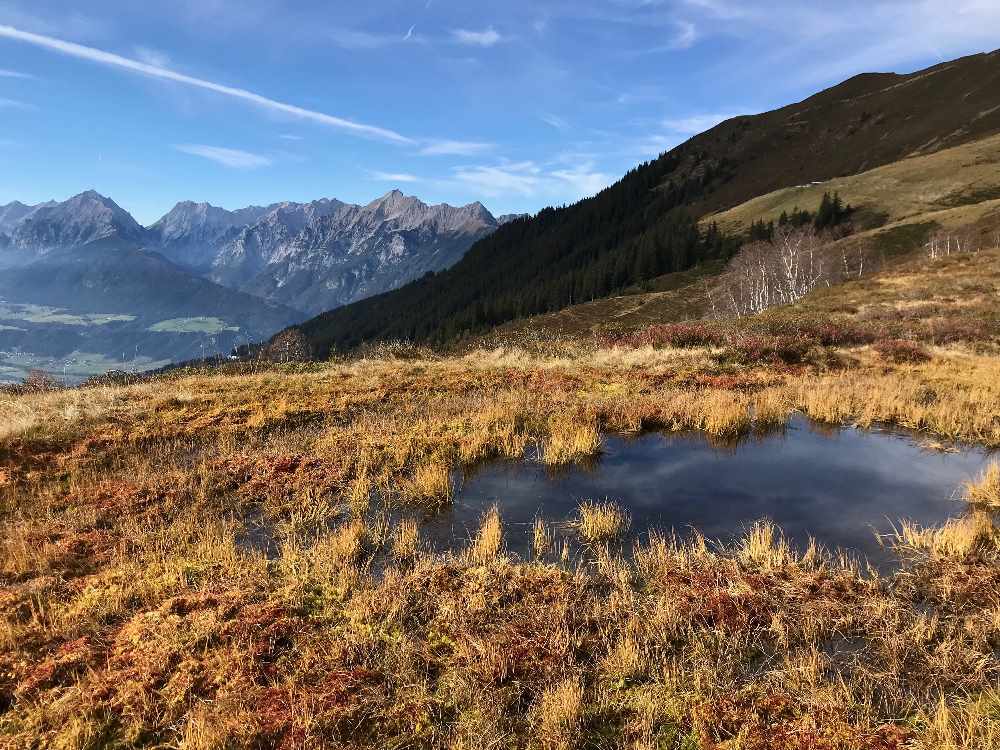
[85,288]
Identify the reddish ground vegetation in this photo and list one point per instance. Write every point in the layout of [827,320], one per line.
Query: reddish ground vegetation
[901,351]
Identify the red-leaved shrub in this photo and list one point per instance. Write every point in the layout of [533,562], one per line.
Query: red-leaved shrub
[901,351]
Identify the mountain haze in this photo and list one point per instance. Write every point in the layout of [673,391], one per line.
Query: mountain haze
[325,254]
[82,275]
[83,219]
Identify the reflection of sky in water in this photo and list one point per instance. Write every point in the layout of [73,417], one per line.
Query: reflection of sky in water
[834,486]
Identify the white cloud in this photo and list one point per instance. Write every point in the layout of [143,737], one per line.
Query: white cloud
[227,157]
[555,121]
[152,56]
[14,74]
[14,104]
[687,35]
[486,38]
[654,145]
[135,66]
[356,39]
[290,137]
[393,177]
[583,181]
[695,124]
[529,180]
[455,148]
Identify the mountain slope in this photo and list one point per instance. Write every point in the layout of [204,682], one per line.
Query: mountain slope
[106,299]
[190,232]
[325,254]
[632,230]
[959,176]
[83,219]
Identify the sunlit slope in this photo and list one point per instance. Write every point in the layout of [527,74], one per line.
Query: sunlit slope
[956,178]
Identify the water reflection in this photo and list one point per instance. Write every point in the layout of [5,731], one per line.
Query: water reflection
[837,485]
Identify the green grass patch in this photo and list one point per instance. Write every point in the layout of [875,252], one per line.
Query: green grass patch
[192,325]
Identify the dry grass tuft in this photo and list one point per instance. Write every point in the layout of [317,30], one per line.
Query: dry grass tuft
[488,543]
[430,484]
[601,521]
[542,539]
[570,441]
[959,538]
[765,546]
[406,539]
[986,489]
[560,715]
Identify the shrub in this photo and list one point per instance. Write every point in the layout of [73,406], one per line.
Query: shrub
[951,330]
[761,349]
[825,332]
[901,351]
[675,335]
[290,345]
[35,381]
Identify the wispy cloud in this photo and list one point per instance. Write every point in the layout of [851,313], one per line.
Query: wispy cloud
[357,39]
[290,137]
[393,177]
[151,56]
[456,148]
[555,121]
[227,157]
[485,38]
[15,104]
[528,179]
[687,35]
[135,66]
[694,124]
[14,74]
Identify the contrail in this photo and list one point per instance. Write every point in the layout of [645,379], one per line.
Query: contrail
[134,66]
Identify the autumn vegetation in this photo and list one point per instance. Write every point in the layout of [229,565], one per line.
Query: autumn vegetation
[234,558]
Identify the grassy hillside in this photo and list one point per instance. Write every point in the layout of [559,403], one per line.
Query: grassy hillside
[141,607]
[639,228]
[953,178]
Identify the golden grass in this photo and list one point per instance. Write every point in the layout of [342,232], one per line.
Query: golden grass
[570,441]
[208,561]
[904,189]
[488,542]
[406,539]
[958,538]
[601,521]
[986,489]
[430,484]
[542,541]
[765,547]
[560,715]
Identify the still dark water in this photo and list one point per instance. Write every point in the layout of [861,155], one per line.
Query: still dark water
[839,486]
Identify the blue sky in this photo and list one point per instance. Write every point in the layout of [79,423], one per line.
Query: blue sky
[520,104]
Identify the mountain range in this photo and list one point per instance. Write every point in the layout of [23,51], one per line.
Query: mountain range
[202,272]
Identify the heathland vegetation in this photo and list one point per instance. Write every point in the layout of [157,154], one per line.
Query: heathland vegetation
[208,558]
